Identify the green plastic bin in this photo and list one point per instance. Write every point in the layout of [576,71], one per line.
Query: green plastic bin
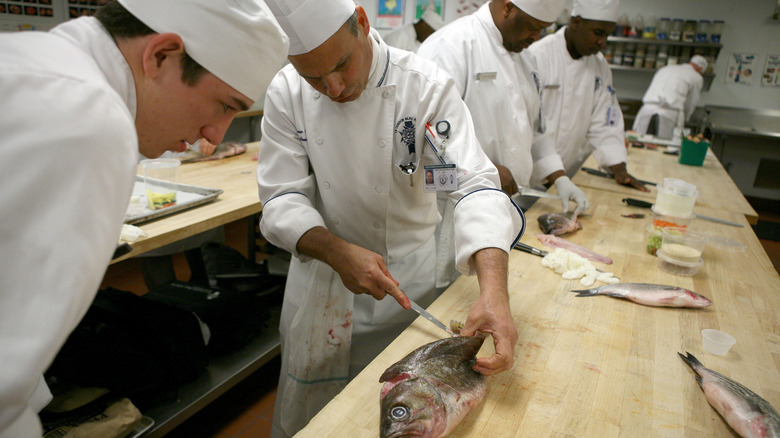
[693,153]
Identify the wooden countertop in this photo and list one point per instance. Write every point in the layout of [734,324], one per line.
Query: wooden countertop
[236,176]
[717,190]
[601,366]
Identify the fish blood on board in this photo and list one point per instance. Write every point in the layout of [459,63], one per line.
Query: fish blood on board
[428,392]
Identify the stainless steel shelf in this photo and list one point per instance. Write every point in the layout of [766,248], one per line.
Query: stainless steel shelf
[614,39]
[223,373]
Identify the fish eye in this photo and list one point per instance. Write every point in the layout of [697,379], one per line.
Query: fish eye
[399,412]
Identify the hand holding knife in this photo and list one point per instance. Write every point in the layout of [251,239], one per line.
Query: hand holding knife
[425,314]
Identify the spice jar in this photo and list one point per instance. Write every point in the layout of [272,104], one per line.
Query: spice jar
[675,31]
[663,28]
[703,31]
[715,30]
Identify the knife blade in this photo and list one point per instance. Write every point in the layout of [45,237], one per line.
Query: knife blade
[424,313]
[645,204]
[527,191]
[609,175]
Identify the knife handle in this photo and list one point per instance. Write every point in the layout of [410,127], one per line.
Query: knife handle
[596,172]
[529,249]
[637,203]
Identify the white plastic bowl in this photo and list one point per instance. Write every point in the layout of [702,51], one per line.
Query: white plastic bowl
[717,342]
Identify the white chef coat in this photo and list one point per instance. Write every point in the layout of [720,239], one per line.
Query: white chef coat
[673,94]
[502,91]
[403,37]
[69,149]
[335,165]
[579,104]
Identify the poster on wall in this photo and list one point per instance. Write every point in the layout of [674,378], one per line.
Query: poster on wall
[422,5]
[466,7]
[740,69]
[390,14]
[771,76]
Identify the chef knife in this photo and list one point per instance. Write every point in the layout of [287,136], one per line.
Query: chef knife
[609,175]
[530,249]
[645,204]
[527,191]
[424,313]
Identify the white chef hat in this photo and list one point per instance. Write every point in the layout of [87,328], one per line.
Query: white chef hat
[309,23]
[239,41]
[542,10]
[699,61]
[600,10]
[432,18]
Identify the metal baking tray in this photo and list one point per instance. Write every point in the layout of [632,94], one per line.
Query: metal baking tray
[144,425]
[186,197]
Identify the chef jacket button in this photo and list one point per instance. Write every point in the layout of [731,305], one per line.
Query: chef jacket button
[379,189]
[382,143]
[319,140]
[316,94]
[326,185]
[385,94]
[377,225]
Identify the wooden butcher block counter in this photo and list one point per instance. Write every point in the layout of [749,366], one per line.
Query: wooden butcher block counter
[716,188]
[600,366]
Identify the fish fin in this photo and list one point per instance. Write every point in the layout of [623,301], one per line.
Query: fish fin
[586,292]
[693,363]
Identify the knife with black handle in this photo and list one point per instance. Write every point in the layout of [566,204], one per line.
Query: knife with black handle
[609,175]
[644,204]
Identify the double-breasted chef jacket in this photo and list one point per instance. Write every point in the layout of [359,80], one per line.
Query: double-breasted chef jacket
[579,104]
[64,194]
[336,165]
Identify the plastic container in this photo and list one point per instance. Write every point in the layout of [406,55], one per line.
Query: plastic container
[676,267]
[650,57]
[703,31]
[692,153]
[639,57]
[675,31]
[663,28]
[617,56]
[160,178]
[649,28]
[675,198]
[715,31]
[662,58]
[683,244]
[689,31]
[622,26]
[653,239]
[628,54]
[717,342]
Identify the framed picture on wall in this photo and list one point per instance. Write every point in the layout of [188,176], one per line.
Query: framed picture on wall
[390,14]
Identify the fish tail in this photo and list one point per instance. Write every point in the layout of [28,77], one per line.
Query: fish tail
[586,292]
[694,364]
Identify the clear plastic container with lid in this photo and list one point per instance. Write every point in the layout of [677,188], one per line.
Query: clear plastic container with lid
[649,28]
[675,30]
[675,198]
[689,31]
[716,28]
[703,31]
[663,28]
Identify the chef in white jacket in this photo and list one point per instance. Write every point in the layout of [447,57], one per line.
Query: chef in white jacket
[410,36]
[497,79]
[579,104]
[341,178]
[671,98]
[79,103]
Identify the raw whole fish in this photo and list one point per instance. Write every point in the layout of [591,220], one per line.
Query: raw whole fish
[558,224]
[744,410]
[224,150]
[428,392]
[649,294]
[557,242]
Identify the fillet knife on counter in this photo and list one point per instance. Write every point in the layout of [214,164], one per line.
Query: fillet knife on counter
[645,204]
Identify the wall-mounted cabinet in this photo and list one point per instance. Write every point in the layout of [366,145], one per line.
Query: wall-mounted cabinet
[648,55]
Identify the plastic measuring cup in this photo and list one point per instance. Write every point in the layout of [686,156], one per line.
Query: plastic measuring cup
[675,198]
[717,342]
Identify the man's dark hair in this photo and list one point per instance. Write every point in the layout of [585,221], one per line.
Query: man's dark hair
[352,24]
[120,23]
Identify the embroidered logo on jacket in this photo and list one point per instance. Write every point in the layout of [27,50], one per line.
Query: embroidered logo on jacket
[405,128]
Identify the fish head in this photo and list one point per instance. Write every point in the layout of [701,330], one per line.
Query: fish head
[412,408]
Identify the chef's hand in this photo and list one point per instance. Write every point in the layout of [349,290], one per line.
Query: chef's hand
[490,314]
[362,271]
[508,183]
[570,192]
[622,177]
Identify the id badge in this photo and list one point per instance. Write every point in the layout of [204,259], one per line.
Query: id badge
[441,178]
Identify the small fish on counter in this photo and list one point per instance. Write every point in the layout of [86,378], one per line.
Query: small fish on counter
[744,410]
[558,224]
[649,294]
[428,392]
[224,150]
[557,242]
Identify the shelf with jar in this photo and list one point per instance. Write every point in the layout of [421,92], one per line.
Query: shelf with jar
[646,46]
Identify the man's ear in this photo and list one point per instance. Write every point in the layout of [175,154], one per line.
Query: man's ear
[162,51]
